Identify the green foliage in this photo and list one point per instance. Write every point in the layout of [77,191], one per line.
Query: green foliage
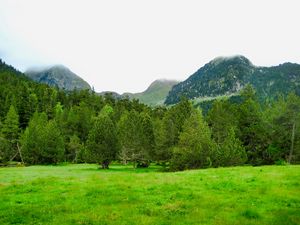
[253,133]
[221,118]
[102,142]
[286,125]
[107,110]
[31,140]
[75,150]
[231,152]
[9,135]
[5,150]
[223,121]
[195,149]
[131,137]
[248,92]
[148,139]
[42,142]
[58,110]
[53,143]
[77,120]
[10,127]
[172,126]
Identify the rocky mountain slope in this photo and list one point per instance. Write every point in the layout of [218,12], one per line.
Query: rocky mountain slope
[58,76]
[228,75]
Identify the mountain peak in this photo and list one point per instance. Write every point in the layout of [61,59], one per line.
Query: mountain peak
[57,76]
[231,59]
[59,67]
[42,69]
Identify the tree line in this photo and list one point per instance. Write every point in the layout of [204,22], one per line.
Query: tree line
[43,125]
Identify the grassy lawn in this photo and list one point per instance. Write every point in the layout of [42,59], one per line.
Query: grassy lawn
[83,194]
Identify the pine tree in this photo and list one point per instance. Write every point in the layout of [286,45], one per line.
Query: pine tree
[53,144]
[287,129]
[253,133]
[84,122]
[221,118]
[172,126]
[223,122]
[31,139]
[42,141]
[10,134]
[130,133]
[4,150]
[102,142]
[275,151]
[148,139]
[196,148]
[74,150]
[160,154]
[10,127]
[231,152]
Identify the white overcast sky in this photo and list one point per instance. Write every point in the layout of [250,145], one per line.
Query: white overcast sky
[123,45]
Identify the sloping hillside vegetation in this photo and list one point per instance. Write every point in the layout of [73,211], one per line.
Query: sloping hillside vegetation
[155,94]
[228,75]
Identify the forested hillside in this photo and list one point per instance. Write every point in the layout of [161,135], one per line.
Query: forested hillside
[44,125]
[226,76]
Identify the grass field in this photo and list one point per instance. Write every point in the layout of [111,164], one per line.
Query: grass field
[83,194]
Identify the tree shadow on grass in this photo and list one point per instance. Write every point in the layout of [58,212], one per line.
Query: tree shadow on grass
[121,168]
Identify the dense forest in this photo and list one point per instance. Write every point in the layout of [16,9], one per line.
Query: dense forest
[44,125]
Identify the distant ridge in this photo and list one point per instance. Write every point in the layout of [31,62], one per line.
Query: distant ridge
[155,94]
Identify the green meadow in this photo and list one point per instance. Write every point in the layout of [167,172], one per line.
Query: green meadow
[83,194]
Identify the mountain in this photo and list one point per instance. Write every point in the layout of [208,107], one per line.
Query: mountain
[155,94]
[226,76]
[58,76]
